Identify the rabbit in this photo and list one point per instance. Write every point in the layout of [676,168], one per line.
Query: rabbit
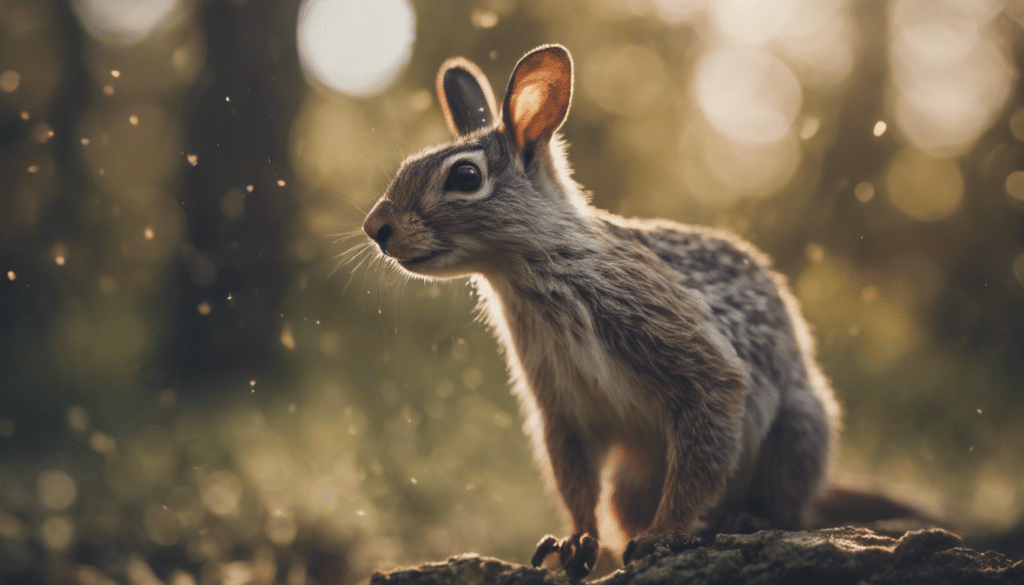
[668,359]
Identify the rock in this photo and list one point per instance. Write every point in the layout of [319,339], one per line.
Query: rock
[854,556]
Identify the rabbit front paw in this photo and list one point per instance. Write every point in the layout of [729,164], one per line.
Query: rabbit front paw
[643,545]
[577,553]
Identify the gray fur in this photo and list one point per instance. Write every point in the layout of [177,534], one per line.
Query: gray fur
[674,346]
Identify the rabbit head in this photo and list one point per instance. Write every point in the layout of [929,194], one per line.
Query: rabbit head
[500,190]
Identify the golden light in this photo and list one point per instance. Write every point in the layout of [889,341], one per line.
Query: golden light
[1015,185]
[951,72]
[9,81]
[864,191]
[353,47]
[281,527]
[125,23]
[922,187]
[57,491]
[57,532]
[222,492]
[819,41]
[78,418]
[626,80]
[677,10]
[748,95]
[751,21]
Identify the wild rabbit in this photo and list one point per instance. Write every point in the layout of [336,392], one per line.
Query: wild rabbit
[668,358]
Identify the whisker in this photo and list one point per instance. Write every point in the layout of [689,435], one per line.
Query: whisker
[338,238]
[351,254]
[380,312]
[340,198]
[352,275]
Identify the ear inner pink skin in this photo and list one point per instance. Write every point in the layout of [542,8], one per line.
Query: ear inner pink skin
[539,94]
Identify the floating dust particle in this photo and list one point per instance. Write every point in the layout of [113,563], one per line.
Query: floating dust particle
[85,142]
[879,128]
[204,308]
[148,233]
[11,275]
[115,73]
[280,183]
[287,339]
[59,260]
[108,90]
[25,115]
[33,169]
[133,120]
[42,133]
[227,98]
[193,159]
[249,188]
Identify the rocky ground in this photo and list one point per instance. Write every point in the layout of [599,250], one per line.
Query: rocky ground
[854,556]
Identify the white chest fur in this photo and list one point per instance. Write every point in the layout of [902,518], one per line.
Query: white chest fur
[566,368]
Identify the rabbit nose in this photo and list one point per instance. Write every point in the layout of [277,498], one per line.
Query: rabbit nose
[377,224]
[382,237]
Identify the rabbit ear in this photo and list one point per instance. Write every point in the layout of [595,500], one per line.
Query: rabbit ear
[465,96]
[538,95]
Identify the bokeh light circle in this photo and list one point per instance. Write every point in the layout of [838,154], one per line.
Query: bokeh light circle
[922,187]
[749,96]
[124,23]
[354,47]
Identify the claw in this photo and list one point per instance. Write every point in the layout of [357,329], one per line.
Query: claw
[546,546]
[583,559]
[577,554]
[677,542]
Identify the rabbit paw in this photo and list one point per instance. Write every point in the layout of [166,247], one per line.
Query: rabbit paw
[643,545]
[577,553]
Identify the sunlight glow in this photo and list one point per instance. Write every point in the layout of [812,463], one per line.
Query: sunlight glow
[124,23]
[751,21]
[353,47]
[951,73]
[750,96]
[922,187]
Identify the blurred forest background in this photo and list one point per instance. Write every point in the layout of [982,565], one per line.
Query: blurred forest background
[196,388]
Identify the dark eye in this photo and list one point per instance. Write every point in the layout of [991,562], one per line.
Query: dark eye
[465,177]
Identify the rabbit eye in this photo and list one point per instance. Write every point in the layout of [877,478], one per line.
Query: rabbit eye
[465,177]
